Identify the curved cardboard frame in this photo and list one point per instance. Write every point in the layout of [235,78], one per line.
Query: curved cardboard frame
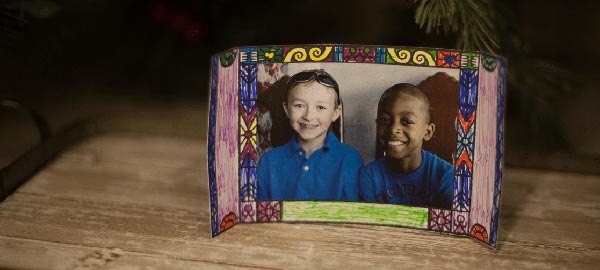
[478,162]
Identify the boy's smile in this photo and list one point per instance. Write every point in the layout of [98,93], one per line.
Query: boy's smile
[308,126]
[394,145]
[311,109]
[402,125]
[396,142]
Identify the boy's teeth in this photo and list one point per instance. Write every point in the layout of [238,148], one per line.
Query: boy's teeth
[307,126]
[396,142]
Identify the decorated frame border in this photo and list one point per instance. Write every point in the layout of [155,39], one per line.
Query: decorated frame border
[481,91]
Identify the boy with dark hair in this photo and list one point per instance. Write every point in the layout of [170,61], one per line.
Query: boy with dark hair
[406,174]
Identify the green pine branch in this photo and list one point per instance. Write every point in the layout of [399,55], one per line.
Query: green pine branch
[537,86]
[470,19]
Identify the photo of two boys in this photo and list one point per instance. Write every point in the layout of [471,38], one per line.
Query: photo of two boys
[376,157]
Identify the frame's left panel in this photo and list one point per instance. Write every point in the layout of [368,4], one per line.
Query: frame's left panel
[223,142]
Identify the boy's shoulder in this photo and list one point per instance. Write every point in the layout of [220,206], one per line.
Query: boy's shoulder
[346,151]
[375,165]
[346,148]
[275,153]
[436,162]
[431,157]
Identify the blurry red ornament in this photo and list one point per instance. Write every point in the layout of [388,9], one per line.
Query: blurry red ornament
[160,13]
[194,31]
[179,22]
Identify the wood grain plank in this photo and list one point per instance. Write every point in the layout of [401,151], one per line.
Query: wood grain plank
[159,170]
[51,255]
[89,204]
[185,234]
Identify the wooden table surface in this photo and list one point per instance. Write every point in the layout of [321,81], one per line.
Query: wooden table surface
[136,201]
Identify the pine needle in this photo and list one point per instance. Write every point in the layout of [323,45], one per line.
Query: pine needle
[471,19]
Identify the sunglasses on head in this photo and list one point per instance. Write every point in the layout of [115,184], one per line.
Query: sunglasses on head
[313,75]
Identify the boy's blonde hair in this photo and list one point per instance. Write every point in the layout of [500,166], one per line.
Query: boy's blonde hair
[314,75]
[324,78]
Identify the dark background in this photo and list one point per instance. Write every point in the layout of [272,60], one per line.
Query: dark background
[124,60]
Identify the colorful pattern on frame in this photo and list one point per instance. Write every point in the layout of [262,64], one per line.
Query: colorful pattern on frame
[212,183]
[411,57]
[454,221]
[440,220]
[460,222]
[310,54]
[248,212]
[489,63]
[368,213]
[248,136]
[448,59]
[228,57]
[269,211]
[355,54]
[479,232]
[465,141]
[469,60]
[270,55]
[248,56]
[228,221]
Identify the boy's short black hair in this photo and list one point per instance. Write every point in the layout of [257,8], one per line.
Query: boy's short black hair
[408,89]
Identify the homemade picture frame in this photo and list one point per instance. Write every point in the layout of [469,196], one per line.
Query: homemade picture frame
[471,84]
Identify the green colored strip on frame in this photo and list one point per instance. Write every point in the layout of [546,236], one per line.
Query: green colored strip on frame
[369,213]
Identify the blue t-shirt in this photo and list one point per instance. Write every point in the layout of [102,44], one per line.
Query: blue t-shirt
[430,185]
[330,173]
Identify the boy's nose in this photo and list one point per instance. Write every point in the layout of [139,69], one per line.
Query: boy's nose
[309,113]
[396,127]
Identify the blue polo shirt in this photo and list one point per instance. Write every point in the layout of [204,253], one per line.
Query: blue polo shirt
[330,173]
[430,185]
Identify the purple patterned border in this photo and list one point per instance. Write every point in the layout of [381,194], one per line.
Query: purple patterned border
[440,220]
[269,211]
[499,155]
[212,183]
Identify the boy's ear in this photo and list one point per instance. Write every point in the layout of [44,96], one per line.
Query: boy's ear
[285,109]
[429,130]
[456,123]
[337,113]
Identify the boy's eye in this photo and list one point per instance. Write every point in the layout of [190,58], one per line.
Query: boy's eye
[321,107]
[383,120]
[406,122]
[298,105]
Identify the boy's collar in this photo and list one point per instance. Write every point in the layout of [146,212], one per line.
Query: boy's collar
[294,148]
[421,166]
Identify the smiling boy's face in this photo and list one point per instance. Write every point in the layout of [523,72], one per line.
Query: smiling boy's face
[311,109]
[402,125]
